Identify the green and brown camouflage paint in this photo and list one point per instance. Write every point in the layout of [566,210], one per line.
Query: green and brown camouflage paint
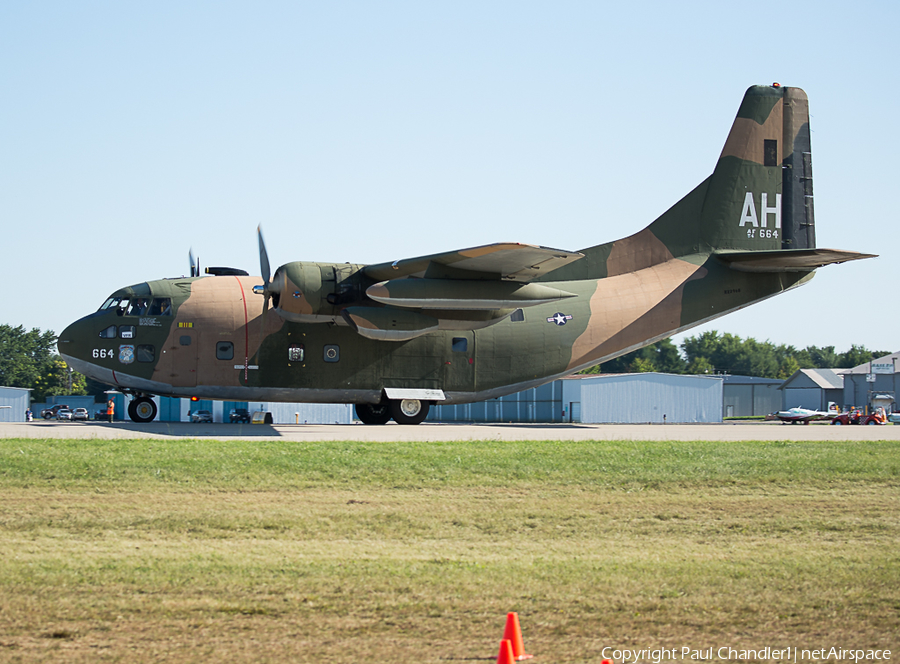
[616,297]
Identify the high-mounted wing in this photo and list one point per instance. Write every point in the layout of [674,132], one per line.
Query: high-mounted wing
[508,261]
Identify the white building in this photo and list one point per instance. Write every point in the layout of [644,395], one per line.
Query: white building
[647,397]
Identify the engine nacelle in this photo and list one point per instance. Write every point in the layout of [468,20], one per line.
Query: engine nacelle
[316,292]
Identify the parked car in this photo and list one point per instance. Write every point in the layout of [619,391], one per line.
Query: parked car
[239,415]
[47,413]
[80,414]
[201,416]
[64,414]
[894,417]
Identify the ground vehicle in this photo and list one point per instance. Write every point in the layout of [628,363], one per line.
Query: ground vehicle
[47,413]
[201,416]
[64,414]
[80,414]
[239,415]
[855,416]
[894,417]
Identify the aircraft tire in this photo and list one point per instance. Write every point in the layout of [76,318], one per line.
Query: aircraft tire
[373,414]
[142,410]
[409,411]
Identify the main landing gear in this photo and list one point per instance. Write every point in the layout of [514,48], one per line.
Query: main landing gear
[402,411]
[142,409]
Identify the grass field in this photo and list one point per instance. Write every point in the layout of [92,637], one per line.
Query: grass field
[199,551]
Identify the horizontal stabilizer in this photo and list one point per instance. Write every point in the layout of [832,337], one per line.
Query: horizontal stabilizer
[787,260]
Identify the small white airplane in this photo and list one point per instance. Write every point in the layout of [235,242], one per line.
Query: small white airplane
[806,415]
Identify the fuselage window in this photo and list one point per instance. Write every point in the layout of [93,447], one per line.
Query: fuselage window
[295,353]
[108,333]
[518,316]
[224,350]
[126,331]
[185,340]
[138,307]
[332,353]
[146,353]
[460,345]
[161,306]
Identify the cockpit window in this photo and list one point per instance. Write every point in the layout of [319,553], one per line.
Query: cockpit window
[138,306]
[161,306]
[114,302]
[108,333]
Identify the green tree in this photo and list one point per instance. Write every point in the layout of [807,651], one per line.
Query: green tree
[858,355]
[57,379]
[24,356]
[662,356]
[787,368]
[28,359]
[700,365]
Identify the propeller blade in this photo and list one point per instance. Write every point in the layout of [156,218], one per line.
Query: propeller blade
[195,267]
[263,260]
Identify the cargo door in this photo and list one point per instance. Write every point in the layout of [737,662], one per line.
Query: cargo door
[459,362]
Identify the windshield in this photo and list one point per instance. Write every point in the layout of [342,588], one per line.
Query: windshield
[139,306]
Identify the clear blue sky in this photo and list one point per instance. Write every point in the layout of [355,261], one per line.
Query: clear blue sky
[366,132]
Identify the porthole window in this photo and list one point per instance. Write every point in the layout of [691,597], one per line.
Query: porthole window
[146,353]
[295,353]
[332,353]
[518,316]
[460,345]
[185,340]
[224,350]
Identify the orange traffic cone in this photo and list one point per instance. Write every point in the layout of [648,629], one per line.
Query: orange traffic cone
[513,633]
[505,656]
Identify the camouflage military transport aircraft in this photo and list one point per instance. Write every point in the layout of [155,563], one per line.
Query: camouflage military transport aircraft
[477,323]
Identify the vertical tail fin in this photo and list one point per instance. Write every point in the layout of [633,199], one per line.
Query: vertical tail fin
[759,196]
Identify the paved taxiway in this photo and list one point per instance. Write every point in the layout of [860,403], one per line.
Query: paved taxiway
[450,432]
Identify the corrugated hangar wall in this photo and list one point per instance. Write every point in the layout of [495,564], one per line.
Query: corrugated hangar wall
[18,400]
[651,397]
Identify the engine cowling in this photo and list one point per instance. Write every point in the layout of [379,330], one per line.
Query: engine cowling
[316,292]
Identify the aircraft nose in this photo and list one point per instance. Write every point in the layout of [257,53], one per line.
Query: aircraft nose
[70,340]
[65,339]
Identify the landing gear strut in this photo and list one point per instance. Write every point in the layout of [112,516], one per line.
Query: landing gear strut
[142,409]
[402,411]
[373,414]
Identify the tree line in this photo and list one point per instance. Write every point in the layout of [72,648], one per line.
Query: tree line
[711,352]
